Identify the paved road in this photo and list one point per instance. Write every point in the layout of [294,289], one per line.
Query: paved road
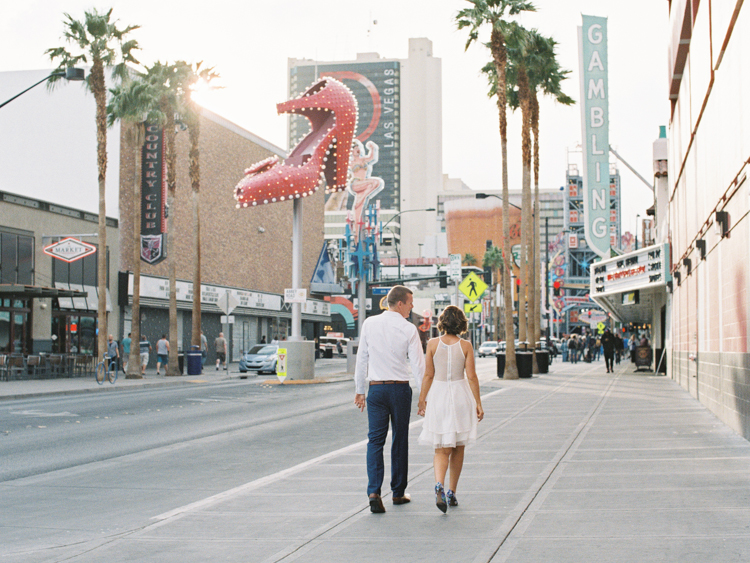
[570,466]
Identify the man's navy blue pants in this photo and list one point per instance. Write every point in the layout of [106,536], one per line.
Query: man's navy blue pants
[388,403]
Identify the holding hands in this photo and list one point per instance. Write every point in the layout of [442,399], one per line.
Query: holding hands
[422,407]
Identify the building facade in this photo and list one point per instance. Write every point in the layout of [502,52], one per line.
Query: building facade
[708,199]
[398,161]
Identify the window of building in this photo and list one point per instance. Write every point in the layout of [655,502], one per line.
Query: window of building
[16,258]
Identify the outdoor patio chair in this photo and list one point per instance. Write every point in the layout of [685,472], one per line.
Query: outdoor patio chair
[3,367]
[16,367]
[36,367]
[58,366]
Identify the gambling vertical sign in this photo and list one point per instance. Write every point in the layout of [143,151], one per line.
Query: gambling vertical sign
[153,196]
[592,43]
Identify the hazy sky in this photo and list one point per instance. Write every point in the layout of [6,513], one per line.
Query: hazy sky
[249,42]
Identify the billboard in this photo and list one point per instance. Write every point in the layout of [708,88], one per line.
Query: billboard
[592,39]
[375,162]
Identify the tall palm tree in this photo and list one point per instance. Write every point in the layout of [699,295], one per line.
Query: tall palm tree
[166,78]
[492,13]
[97,40]
[493,259]
[189,76]
[545,74]
[136,103]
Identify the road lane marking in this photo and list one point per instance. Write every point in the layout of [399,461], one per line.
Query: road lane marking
[42,414]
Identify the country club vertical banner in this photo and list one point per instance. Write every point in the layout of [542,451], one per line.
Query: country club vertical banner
[592,46]
[153,196]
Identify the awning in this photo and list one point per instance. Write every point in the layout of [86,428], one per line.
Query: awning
[81,297]
[17,291]
[629,286]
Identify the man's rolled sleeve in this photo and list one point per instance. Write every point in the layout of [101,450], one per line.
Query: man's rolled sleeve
[360,371]
[416,358]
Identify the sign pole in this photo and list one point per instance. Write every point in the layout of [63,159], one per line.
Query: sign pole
[296,269]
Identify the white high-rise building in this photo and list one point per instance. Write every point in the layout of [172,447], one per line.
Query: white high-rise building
[400,131]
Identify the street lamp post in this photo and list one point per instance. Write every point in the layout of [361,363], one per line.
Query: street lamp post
[382,229]
[71,73]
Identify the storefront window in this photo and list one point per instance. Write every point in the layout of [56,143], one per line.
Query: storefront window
[73,334]
[15,329]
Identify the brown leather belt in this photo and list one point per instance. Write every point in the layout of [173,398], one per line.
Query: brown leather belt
[391,382]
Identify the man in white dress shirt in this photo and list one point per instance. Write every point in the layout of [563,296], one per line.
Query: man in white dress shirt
[389,343]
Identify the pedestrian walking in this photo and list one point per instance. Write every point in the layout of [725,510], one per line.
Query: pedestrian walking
[162,354]
[113,350]
[608,343]
[204,350]
[573,349]
[450,402]
[145,348]
[387,343]
[631,346]
[619,346]
[220,344]
[126,342]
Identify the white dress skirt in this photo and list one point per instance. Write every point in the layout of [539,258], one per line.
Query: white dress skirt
[451,416]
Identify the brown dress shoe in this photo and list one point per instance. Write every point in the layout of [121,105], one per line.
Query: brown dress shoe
[376,504]
[402,500]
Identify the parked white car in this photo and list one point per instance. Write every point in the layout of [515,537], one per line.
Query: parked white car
[488,348]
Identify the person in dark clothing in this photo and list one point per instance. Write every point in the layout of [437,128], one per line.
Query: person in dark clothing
[619,347]
[608,343]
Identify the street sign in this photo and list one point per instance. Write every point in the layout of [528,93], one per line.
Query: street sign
[228,302]
[380,290]
[472,287]
[295,295]
[472,307]
[600,327]
[281,365]
[69,249]
[226,319]
[454,271]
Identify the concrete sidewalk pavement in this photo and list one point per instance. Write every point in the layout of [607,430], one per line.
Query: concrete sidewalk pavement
[573,466]
[325,370]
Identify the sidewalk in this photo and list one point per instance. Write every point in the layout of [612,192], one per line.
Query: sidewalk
[325,370]
[573,466]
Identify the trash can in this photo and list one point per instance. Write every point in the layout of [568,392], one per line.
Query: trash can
[500,364]
[328,353]
[181,362]
[542,360]
[195,356]
[523,361]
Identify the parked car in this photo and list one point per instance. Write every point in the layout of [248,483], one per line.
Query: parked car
[488,348]
[261,358]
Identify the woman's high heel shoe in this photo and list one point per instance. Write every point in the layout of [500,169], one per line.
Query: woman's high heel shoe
[321,157]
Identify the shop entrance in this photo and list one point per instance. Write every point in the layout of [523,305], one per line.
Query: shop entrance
[74,334]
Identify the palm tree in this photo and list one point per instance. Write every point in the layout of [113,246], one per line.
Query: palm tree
[136,103]
[166,79]
[492,12]
[97,40]
[493,259]
[546,75]
[470,259]
[190,75]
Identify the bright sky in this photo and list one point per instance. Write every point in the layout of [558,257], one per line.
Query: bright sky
[249,41]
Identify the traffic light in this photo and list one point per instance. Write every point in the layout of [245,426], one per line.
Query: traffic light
[557,285]
[487,275]
[443,278]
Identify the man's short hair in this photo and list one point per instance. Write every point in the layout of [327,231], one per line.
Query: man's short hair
[398,293]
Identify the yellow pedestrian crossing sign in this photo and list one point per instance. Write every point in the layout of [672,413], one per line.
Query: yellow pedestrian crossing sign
[473,286]
[472,307]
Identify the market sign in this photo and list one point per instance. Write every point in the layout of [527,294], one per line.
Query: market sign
[69,249]
[644,268]
[592,41]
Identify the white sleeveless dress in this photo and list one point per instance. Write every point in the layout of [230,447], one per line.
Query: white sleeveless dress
[451,416]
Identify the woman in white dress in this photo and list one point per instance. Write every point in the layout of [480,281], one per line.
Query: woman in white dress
[450,402]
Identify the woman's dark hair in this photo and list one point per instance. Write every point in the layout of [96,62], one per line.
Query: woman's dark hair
[452,321]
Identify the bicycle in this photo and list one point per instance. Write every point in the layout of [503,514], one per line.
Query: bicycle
[101,370]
